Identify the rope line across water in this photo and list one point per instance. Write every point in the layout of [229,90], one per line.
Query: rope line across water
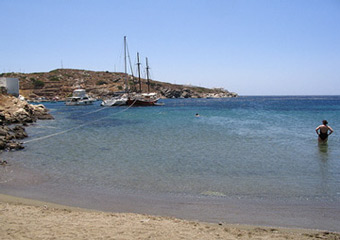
[80,126]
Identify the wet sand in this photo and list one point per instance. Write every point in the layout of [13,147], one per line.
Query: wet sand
[30,219]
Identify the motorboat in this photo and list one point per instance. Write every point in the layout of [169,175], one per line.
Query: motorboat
[79,97]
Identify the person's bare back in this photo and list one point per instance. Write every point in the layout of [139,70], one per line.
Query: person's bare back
[324,131]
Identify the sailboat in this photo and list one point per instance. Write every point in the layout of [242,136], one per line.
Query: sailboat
[133,98]
[143,99]
[119,99]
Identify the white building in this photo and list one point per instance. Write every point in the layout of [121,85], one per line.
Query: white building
[11,85]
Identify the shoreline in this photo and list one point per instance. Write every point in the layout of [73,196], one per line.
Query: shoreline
[271,214]
[32,219]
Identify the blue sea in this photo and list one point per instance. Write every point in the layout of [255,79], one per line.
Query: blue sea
[250,160]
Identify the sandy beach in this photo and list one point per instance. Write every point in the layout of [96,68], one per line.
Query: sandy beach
[29,219]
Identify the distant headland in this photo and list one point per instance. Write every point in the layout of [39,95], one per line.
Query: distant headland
[60,83]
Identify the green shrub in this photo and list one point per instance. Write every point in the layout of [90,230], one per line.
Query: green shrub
[120,88]
[101,82]
[53,78]
[38,84]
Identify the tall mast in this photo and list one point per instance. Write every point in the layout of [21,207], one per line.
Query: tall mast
[131,69]
[147,74]
[139,81]
[125,65]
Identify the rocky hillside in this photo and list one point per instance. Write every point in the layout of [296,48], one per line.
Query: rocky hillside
[61,83]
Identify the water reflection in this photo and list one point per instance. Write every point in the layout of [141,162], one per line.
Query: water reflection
[323,151]
[324,169]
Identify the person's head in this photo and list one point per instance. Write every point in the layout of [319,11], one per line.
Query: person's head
[325,122]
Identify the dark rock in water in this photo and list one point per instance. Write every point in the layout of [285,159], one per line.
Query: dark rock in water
[2,143]
[3,132]
[45,116]
[3,137]
[41,112]
[2,119]
[19,132]
[10,136]
[7,134]
[15,146]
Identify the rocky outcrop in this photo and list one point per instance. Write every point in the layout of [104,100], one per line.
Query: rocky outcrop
[13,110]
[195,93]
[9,137]
[14,115]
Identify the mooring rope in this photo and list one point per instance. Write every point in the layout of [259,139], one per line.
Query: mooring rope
[82,125]
[100,109]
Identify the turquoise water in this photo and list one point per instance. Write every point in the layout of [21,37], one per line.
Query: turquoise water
[250,149]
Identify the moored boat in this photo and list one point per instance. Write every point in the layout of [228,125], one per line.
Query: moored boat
[143,99]
[79,97]
[133,98]
[119,100]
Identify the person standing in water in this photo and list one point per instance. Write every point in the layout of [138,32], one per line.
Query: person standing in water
[323,131]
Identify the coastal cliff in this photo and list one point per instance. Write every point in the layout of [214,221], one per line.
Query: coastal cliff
[60,83]
[14,115]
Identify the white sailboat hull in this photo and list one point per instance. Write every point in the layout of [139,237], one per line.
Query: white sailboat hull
[114,102]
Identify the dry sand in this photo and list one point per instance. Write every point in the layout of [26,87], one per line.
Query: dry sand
[30,219]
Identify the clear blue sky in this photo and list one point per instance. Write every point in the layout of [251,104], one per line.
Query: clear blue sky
[252,47]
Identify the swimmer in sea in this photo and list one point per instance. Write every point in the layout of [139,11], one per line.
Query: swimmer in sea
[323,131]
[197,115]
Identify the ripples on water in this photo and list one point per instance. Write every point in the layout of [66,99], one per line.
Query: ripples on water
[247,147]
